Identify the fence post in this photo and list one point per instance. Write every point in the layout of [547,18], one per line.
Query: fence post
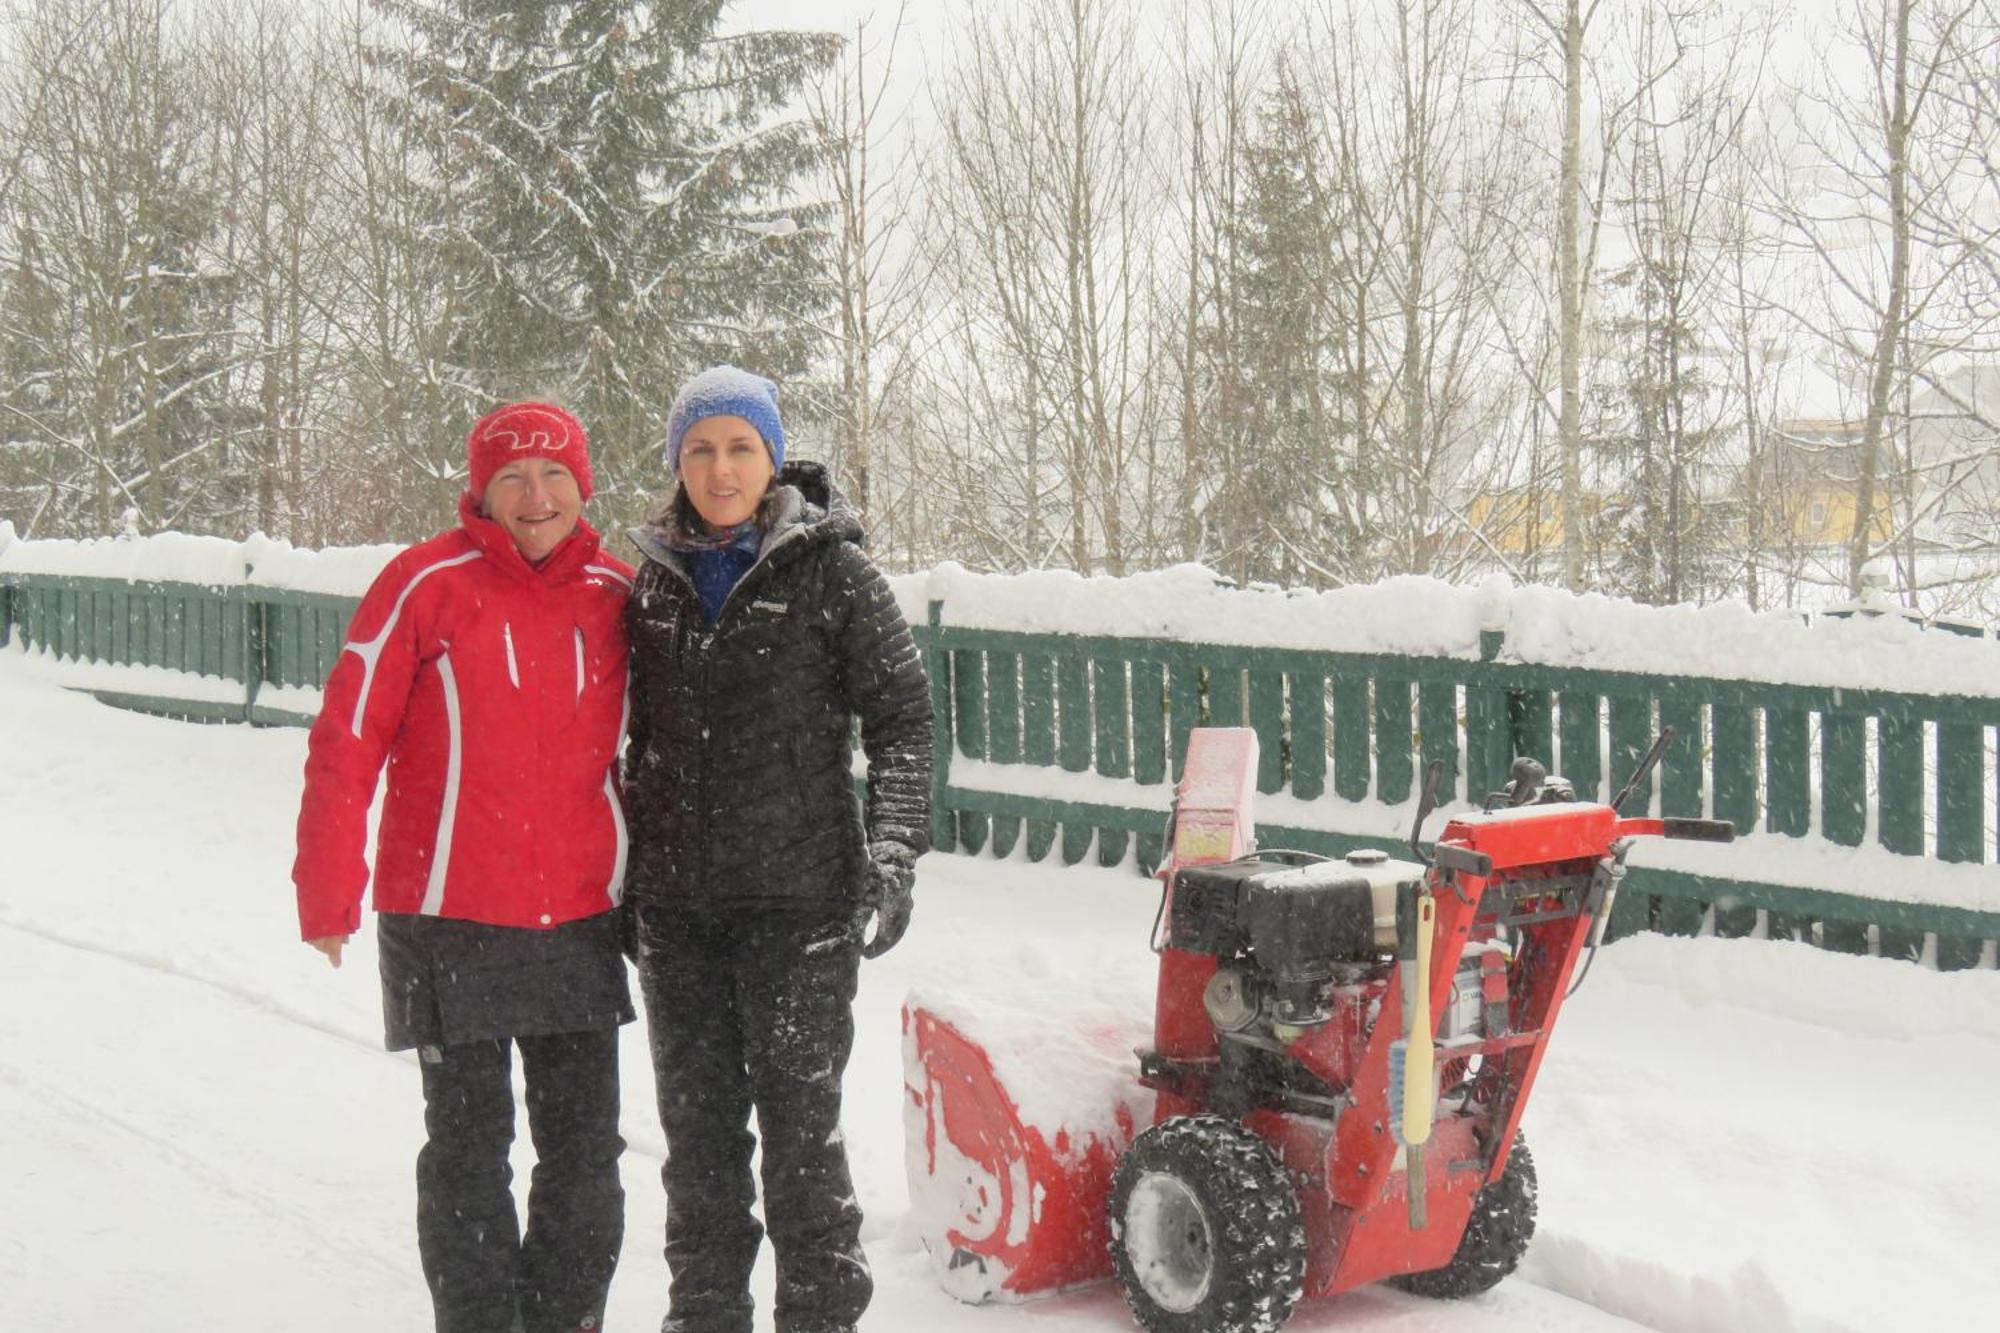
[251,632]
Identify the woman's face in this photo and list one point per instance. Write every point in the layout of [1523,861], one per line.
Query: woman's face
[725,469]
[537,501]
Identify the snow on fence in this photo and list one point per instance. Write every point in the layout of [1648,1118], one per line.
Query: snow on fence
[1857,755]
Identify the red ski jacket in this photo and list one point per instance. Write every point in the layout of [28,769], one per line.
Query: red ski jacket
[496,693]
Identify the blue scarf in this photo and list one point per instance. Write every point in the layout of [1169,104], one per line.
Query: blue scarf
[716,569]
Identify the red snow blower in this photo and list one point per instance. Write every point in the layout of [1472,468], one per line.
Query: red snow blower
[1332,1094]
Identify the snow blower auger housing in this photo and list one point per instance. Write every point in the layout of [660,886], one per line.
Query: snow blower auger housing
[1341,1054]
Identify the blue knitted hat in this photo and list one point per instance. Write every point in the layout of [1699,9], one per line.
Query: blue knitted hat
[727,391]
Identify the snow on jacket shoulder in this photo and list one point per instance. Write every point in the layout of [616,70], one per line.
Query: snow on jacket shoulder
[496,693]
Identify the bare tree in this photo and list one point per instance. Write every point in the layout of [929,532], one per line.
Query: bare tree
[1043,218]
[1895,174]
[1424,182]
[881,275]
[1675,411]
[273,92]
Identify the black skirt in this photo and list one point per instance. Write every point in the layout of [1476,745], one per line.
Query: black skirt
[445,982]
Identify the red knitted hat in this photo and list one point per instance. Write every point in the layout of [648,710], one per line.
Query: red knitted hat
[526,430]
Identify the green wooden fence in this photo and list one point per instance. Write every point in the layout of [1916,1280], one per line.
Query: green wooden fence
[1341,731]
[255,637]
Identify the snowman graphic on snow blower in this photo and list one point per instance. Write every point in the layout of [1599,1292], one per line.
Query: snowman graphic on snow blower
[1340,1054]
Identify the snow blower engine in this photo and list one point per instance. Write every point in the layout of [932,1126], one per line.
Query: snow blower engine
[1341,1051]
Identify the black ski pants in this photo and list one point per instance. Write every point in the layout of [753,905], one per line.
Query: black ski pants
[485,1276]
[752,1009]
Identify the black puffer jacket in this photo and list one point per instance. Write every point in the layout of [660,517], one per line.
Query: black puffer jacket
[738,783]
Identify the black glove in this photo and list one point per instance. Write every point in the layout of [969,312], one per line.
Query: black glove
[887,897]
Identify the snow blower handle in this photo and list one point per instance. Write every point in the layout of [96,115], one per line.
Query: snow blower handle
[1645,768]
[1433,781]
[1413,1061]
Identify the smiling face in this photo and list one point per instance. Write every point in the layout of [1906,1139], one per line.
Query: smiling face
[537,501]
[725,470]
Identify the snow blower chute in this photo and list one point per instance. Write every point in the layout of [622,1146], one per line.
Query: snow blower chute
[1340,1057]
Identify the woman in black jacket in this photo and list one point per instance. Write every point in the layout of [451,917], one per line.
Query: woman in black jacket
[759,632]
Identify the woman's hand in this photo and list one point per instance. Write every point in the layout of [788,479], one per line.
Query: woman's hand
[887,897]
[331,946]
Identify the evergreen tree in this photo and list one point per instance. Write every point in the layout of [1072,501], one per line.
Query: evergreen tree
[613,191]
[1285,498]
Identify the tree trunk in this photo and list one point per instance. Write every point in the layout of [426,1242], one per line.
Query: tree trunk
[1569,280]
[1889,336]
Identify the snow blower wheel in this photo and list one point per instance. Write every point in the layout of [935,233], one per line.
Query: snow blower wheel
[1496,1235]
[1206,1234]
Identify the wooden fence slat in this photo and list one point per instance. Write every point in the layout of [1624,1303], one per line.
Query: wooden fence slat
[67,636]
[1787,772]
[1183,711]
[1631,729]
[1351,736]
[156,631]
[1681,793]
[1489,742]
[1073,741]
[135,628]
[1733,734]
[1305,700]
[1629,733]
[1149,749]
[1437,728]
[1900,746]
[1734,737]
[1394,772]
[295,645]
[1228,705]
[1682,785]
[177,633]
[1112,703]
[121,627]
[1961,836]
[1787,796]
[1267,717]
[1531,717]
[236,641]
[1900,806]
[1038,736]
[1307,711]
[208,643]
[968,681]
[332,634]
[1843,775]
[1843,785]
[1003,733]
[195,646]
[1961,813]
[1580,743]
[937,663]
[104,626]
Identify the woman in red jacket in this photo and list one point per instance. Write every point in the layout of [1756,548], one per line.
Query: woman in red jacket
[486,667]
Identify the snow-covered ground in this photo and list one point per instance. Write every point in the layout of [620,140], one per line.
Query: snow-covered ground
[199,1130]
